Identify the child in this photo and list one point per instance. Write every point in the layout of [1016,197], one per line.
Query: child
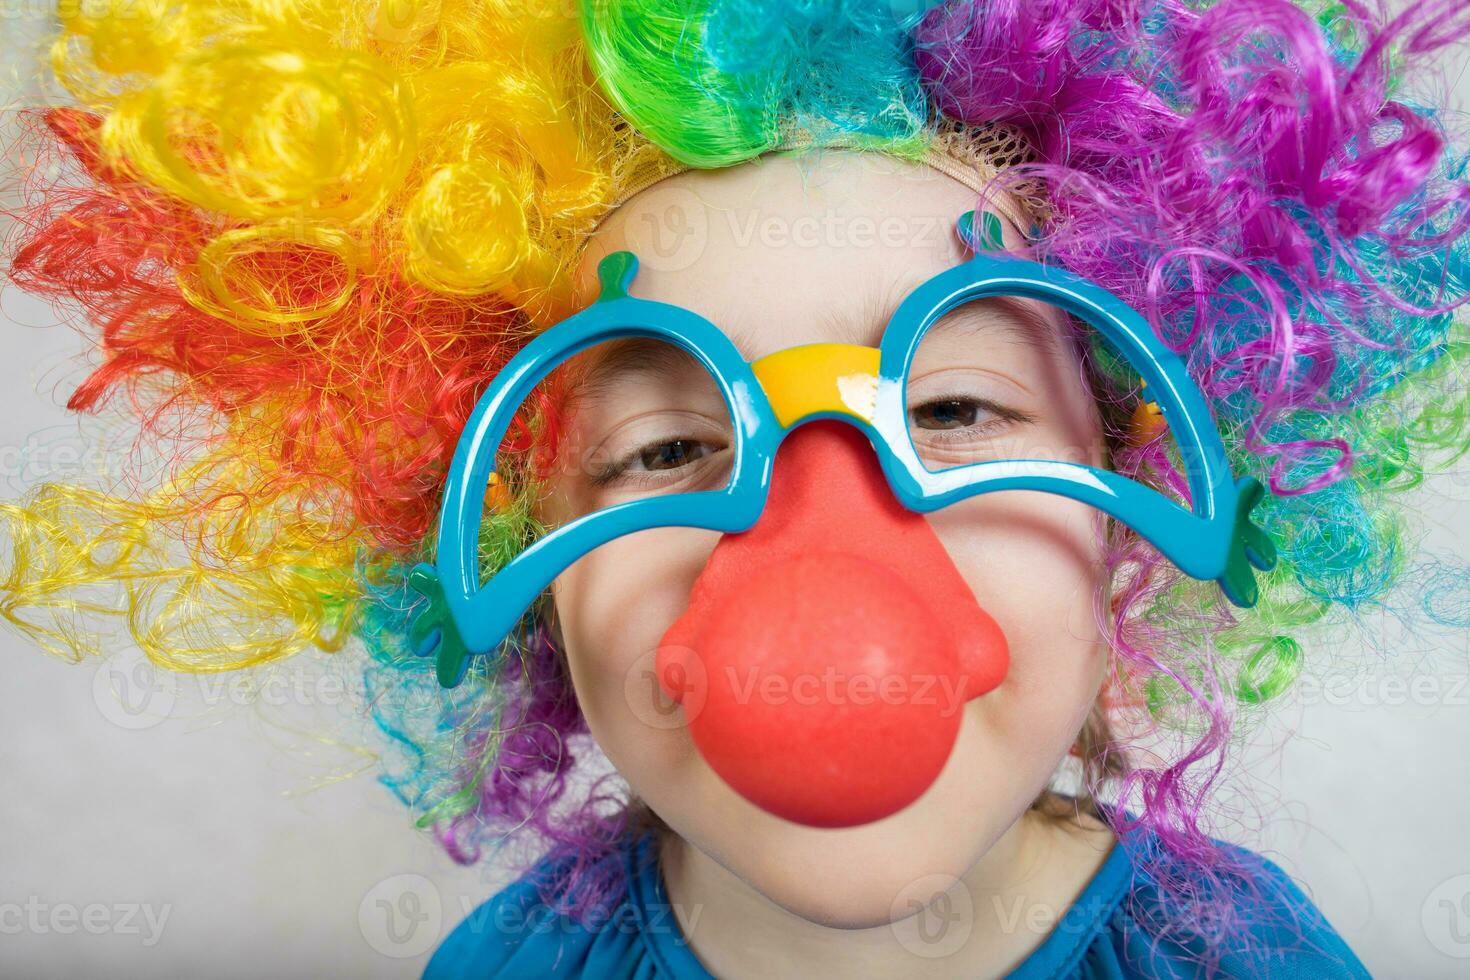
[987,836]
[339,267]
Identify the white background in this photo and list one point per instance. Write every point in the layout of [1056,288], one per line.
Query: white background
[207,812]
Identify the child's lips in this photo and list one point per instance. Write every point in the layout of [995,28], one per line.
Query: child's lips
[836,643]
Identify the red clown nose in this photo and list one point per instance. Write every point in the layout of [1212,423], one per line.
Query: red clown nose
[836,643]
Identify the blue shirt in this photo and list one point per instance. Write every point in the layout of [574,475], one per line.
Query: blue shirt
[1284,936]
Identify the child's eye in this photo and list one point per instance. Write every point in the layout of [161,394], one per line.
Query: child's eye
[952,412]
[953,429]
[948,413]
[672,454]
[660,461]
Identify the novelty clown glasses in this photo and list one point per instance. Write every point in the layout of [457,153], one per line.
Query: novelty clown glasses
[1212,539]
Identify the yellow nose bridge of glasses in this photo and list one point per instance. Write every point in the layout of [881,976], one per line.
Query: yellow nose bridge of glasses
[814,378]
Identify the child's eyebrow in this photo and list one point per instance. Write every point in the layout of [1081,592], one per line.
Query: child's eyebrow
[616,360]
[1021,316]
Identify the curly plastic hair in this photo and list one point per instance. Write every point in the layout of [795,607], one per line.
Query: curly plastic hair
[304,234]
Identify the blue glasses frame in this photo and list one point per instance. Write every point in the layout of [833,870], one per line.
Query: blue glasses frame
[1214,539]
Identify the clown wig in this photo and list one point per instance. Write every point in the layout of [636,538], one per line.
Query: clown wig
[305,234]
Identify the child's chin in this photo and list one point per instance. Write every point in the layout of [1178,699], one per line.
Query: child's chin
[847,912]
[843,897]
[860,878]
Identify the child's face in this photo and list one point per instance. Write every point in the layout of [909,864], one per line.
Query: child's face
[778,254]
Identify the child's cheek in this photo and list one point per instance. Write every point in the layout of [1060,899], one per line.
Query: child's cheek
[613,606]
[1034,563]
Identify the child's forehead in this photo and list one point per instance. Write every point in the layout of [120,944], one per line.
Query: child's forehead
[788,250]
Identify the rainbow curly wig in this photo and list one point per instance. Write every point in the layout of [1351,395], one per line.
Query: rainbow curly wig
[306,233]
